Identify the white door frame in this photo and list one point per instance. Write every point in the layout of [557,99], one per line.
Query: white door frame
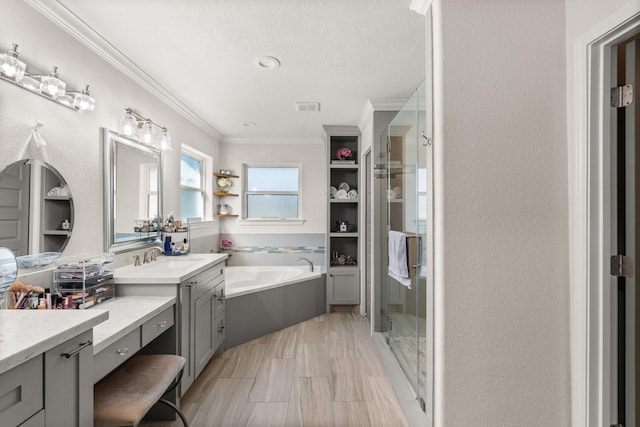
[589,131]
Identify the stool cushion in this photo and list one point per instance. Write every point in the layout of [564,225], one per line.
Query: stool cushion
[127,394]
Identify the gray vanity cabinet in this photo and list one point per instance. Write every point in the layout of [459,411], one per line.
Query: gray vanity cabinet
[200,316]
[206,290]
[68,382]
[204,343]
[53,389]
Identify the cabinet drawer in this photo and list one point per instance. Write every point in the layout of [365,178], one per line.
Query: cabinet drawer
[21,391]
[114,355]
[219,298]
[157,325]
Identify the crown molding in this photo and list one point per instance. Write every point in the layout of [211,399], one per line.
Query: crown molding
[69,22]
[297,140]
[373,105]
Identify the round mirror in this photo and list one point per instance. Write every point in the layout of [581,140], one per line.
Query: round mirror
[37,210]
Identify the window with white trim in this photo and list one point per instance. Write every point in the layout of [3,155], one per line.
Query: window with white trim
[272,192]
[148,206]
[192,184]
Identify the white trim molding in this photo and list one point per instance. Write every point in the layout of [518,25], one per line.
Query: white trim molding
[588,131]
[420,6]
[270,140]
[72,24]
[373,105]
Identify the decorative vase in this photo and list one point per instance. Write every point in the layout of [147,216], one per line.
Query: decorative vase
[224,184]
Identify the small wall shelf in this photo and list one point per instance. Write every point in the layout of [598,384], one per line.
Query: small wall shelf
[224,194]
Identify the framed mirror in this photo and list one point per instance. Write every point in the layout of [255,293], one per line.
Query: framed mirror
[132,193]
[36,213]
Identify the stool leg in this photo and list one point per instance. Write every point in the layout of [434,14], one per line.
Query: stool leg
[175,408]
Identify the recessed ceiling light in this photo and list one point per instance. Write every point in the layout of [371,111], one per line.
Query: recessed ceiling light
[268,62]
[248,124]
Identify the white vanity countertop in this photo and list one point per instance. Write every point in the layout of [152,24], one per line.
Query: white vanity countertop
[25,334]
[167,269]
[125,315]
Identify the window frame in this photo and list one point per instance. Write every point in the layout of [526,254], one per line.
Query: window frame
[246,192]
[206,165]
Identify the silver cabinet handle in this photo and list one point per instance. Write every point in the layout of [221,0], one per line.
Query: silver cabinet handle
[78,349]
[123,351]
[162,324]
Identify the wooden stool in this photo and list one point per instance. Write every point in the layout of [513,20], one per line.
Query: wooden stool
[125,396]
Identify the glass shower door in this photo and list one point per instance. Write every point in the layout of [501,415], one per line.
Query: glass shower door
[406,212]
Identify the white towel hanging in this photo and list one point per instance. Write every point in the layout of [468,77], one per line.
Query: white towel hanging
[399,258]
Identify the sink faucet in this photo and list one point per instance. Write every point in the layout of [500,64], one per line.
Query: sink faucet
[151,254]
[309,261]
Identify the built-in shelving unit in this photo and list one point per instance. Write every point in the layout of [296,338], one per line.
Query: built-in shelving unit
[343,270]
[222,194]
[55,210]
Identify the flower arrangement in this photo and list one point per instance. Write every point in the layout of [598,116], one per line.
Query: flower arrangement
[224,184]
[226,243]
[343,153]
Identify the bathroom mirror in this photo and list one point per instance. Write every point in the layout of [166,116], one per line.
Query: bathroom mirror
[132,193]
[36,213]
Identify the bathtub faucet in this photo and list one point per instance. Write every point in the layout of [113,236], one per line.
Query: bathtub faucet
[309,261]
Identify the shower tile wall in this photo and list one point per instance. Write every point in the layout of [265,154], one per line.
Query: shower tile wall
[274,249]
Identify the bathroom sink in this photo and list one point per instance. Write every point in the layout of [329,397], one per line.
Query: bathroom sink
[167,269]
[175,262]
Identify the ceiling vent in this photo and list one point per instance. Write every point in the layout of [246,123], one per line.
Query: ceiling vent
[307,107]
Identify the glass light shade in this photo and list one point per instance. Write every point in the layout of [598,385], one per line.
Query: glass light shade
[11,66]
[165,141]
[30,83]
[128,125]
[148,134]
[84,102]
[66,99]
[52,85]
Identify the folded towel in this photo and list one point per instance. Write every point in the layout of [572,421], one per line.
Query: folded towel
[398,258]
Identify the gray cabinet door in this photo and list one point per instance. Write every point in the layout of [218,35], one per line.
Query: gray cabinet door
[185,291]
[343,286]
[204,334]
[68,383]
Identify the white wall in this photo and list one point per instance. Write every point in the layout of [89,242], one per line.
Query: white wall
[503,174]
[73,138]
[312,159]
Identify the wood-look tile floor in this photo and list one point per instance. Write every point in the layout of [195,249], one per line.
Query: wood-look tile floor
[322,372]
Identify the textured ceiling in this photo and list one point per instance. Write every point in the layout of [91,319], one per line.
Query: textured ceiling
[339,53]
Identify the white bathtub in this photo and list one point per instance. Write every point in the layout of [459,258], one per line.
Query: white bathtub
[248,279]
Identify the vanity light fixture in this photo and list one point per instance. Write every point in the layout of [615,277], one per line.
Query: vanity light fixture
[10,65]
[49,86]
[143,129]
[52,85]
